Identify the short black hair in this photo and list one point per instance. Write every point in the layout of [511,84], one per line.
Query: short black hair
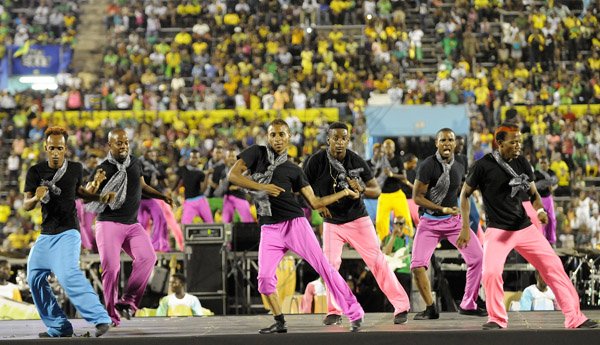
[337,125]
[445,129]
[179,276]
[409,157]
[279,122]
[4,262]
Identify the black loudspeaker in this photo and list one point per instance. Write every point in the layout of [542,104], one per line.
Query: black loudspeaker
[245,237]
[205,268]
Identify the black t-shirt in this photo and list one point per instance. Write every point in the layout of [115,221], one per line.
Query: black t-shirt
[544,192]
[128,212]
[59,214]
[219,174]
[462,159]
[503,211]
[393,184]
[321,176]
[153,169]
[411,175]
[430,171]
[191,181]
[288,176]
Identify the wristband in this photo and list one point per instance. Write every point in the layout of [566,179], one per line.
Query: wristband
[540,210]
[444,209]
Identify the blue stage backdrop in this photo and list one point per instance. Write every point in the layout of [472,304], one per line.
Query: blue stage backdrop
[415,120]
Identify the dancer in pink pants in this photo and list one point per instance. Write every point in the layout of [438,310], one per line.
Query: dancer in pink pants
[194,181]
[437,183]
[346,221]
[283,226]
[234,197]
[118,228]
[546,181]
[500,176]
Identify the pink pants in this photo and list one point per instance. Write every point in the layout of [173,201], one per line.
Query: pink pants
[86,221]
[172,223]
[232,204]
[532,245]
[361,235]
[414,211]
[297,235]
[430,232]
[134,240]
[532,213]
[196,206]
[150,209]
[549,230]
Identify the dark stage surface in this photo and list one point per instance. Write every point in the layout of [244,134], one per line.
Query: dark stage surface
[531,328]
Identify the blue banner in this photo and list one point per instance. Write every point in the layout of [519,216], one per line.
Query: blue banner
[415,120]
[38,59]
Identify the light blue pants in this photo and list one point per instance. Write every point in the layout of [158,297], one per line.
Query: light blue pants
[60,254]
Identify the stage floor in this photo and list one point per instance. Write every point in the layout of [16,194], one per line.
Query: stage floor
[378,328]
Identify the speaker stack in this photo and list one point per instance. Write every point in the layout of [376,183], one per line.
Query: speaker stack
[205,264]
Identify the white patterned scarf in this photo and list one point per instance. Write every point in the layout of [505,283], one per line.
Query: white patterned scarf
[52,187]
[117,184]
[263,206]
[517,182]
[440,190]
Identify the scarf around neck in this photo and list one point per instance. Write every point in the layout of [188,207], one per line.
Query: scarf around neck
[517,182]
[117,184]
[52,187]
[440,190]
[263,206]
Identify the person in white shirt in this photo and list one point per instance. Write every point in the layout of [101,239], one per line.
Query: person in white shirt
[8,289]
[538,296]
[179,303]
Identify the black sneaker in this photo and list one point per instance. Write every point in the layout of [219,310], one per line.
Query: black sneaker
[355,325]
[102,328]
[430,313]
[332,319]
[125,310]
[490,325]
[401,318]
[47,335]
[473,312]
[277,327]
[589,323]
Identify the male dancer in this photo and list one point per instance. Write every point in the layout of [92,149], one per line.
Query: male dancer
[215,161]
[500,176]
[86,219]
[234,197]
[194,181]
[346,221]
[371,203]
[150,208]
[461,158]
[545,181]
[283,224]
[117,226]
[437,183]
[391,176]
[55,183]
[410,171]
